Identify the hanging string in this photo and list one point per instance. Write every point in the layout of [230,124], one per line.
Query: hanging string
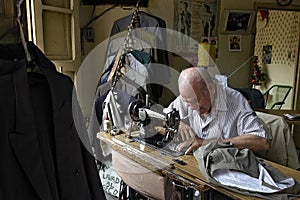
[240,67]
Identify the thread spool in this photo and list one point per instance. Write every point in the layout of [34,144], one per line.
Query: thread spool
[107,125]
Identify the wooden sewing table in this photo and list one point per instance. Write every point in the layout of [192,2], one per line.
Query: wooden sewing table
[163,164]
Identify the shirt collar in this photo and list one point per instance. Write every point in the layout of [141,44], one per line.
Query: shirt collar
[220,101]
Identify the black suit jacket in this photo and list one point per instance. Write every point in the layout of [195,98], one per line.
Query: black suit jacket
[23,172]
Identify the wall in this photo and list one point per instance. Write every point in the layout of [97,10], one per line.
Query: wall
[227,62]
[284,43]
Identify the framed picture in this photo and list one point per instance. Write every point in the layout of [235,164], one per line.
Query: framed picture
[267,54]
[235,42]
[238,21]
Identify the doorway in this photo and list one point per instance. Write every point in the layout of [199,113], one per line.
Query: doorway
[277,48]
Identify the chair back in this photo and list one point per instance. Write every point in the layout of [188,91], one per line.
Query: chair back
[276,95]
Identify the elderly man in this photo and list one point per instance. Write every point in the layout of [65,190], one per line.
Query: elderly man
[210,112]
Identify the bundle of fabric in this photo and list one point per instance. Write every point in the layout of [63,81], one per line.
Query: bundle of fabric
[241,171]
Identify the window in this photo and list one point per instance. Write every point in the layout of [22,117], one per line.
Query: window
[53,25]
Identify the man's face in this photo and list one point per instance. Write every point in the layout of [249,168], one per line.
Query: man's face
[196,99]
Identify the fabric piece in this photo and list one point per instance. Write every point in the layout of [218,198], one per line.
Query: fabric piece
[235,168]
[283,149]
[244,181]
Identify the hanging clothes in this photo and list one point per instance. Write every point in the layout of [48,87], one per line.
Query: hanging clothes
[141,40]
[156,26]
[132,69]
[141,47]
[149,23]
[44,143]
[127,91]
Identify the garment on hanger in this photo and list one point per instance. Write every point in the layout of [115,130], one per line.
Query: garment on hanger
[149,23]
[132,69]
[141,40]
[156,26]
[44,142]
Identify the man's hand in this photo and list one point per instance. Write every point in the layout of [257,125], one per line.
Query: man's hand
[191,144]
[187,138]
[185,132]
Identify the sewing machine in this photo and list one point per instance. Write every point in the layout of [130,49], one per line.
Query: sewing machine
[148,118]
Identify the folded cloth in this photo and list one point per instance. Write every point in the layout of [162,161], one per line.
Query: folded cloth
[241,171]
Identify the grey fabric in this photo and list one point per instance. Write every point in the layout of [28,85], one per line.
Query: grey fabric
[283,149]
[215,156]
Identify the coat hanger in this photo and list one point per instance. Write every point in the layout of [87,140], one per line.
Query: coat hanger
[31,65]
[19,14]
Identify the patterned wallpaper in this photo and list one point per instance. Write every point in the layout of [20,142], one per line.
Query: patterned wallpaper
[277,40]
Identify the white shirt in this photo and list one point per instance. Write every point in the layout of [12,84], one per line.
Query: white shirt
[135,70]
[230,116]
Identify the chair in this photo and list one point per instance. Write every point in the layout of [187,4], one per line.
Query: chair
[276,95]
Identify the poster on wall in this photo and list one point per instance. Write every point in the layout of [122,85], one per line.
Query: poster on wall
[194,19]
[235,42]
[267,54]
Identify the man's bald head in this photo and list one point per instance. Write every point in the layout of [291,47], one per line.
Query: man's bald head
[195,77]
[195,86]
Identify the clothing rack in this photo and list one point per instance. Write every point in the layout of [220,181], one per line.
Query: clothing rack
[116,73]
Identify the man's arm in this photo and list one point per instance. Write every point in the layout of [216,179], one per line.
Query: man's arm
[249,141]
